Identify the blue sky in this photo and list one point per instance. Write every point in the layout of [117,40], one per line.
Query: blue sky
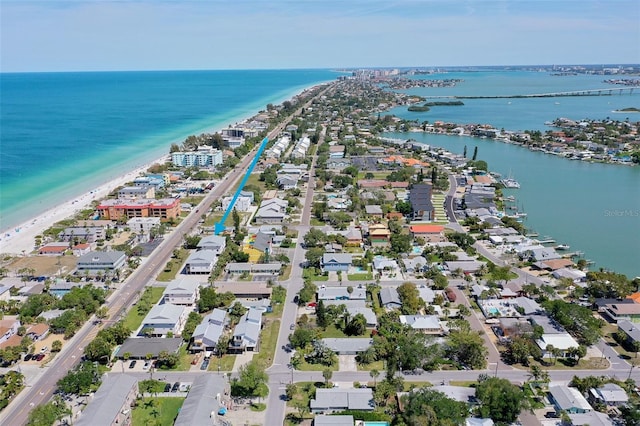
[87,35]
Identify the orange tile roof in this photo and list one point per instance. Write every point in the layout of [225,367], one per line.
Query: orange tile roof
[635,297]
[14,340]
[427,229]
[555,264]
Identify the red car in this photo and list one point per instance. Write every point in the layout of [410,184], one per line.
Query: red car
[39,357]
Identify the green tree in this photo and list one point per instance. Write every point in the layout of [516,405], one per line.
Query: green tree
[410,298]
[302,337]
[374,375]
[313,256]
[251,381]
[193,320]
[56,346]
[99,350]
[428,407]
[327,374]
[467,348]
[321,315]
[499,400]
[400,243]
[357,326]
[475,153]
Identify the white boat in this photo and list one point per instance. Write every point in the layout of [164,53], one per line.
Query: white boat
[562,247]
[510,183]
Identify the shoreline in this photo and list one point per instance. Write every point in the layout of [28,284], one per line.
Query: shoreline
[20,238]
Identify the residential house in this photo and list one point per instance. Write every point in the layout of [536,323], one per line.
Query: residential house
[475,421]
[202,402]
[254,268]
[200,262]
[336,151]
[137,348]
[111,404]
[341,293]
[53,249]
[338,163]
[89,234]
[348,346]
[5,292]
[9,326]
[354,237]
[367,313]
[591,418]
[214,243]
[428,324]
[243,203]
[336,399]
[420,199]
[430,233]
[143,225]
[246,334]
[339,420]
[384,264]
[389,298]
[207,334]
[253,290]
[426,294]
[561,341]
[609,394]
[38,331]
[631,329]
[286,182]
[336,262]
[271,211]
[182,292]
[623,311]
[96,262]
[163,320]
[134,192]
[373,211]
[467,267]
[379,235]
[568,399]
[416,265]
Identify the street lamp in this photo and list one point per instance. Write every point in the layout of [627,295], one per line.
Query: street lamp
[630,370]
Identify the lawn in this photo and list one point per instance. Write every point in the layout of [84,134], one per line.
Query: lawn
[268,341]
[226,363]
[173,266]
[376,175]
[363,276]
[133,318]
[332,331]
[157,411]
[285,273]
[375,365]
[310,273]
[306,390]
[305,366]
[315,222]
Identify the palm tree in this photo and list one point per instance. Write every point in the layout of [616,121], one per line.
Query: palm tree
[551,351]
[327,374]
[374,375]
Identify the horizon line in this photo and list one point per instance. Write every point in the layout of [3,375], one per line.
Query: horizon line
[336,69]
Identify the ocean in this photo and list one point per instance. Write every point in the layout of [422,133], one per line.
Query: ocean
[63,134]
[595,208]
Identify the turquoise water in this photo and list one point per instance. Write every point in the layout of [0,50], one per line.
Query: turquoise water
[63,134]
[494,311]
[595,208]
[376,424]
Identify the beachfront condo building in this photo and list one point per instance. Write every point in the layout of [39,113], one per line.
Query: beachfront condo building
[205,156]
[166,209]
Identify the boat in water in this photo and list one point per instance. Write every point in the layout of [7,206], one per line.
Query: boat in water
[510,183]
[562,247]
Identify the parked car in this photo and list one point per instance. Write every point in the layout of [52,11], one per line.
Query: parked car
[133,363]
[39,357]
[28,357]
[167,387]
[205,364]
[146,365]
[44,349]
[175,387]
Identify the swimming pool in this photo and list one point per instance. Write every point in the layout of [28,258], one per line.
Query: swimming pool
[417,250]
[376,424]
[494,311]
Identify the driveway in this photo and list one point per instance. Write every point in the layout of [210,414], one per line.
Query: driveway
[347,363]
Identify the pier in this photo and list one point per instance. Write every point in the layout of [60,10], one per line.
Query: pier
[586,92]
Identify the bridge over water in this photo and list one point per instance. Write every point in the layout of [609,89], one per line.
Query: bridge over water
[586,92]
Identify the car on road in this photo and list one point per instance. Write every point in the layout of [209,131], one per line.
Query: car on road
[133,363]
[292,326]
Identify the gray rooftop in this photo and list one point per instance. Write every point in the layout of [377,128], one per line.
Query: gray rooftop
[324,420]
[567,398]
[107,401]
[336,399]
[346,344]
[140,347]
[336,258]
[201,401]
[389,296]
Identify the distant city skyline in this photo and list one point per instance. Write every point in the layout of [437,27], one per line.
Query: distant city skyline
[94,35]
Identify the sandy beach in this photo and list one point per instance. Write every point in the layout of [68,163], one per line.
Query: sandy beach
[21,239]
